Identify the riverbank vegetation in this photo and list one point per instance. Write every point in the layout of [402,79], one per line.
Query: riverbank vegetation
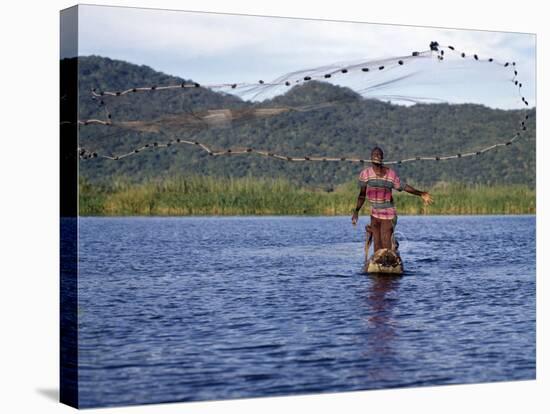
[206,195]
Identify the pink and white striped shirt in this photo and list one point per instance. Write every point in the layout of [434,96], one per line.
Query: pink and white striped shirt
[379,191]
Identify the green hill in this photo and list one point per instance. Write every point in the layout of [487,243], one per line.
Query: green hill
[350,128]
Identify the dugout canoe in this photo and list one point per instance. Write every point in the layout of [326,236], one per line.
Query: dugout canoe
[385,261]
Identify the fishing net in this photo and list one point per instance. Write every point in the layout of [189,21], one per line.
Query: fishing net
[357,104]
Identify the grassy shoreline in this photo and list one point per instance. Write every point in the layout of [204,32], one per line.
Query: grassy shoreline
[199,195]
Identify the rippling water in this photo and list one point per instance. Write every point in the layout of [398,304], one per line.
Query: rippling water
[181,309]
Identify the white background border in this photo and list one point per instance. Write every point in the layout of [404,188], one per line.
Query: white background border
[29,47]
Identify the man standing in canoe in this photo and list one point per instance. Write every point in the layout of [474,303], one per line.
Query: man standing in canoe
[377,183]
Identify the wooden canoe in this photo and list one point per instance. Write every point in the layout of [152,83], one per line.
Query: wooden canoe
[385,261]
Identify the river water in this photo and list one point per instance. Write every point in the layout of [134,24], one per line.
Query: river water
[187,309]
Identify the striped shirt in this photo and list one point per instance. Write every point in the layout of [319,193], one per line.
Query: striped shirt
[379,191]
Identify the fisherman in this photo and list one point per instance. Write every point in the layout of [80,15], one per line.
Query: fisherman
[377,183]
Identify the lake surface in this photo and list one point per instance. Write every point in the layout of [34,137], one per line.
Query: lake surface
[186,309]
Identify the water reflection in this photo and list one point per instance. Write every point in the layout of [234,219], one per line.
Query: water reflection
[380,300]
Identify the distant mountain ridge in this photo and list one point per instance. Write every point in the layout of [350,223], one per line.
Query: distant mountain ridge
[350,128]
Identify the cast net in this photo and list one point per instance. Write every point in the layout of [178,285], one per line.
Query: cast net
[354,105]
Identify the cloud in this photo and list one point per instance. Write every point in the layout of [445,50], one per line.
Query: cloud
[216,48]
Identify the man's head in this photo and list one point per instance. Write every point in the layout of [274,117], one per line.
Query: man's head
[377,156]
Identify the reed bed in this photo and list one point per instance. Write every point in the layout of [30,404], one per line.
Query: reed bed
[204,195]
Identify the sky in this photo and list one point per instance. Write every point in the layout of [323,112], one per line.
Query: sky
[220,48]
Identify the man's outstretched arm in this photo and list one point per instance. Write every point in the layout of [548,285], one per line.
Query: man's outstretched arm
[360,202]
[426,197]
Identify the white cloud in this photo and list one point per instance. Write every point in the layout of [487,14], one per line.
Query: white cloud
[217,48]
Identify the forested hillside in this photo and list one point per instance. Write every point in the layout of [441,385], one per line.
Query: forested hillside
[350,127]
